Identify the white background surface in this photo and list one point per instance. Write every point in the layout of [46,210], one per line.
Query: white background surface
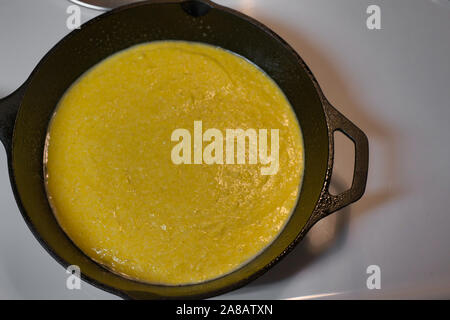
[393,83]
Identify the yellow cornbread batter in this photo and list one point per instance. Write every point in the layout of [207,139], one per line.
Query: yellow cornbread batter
[118,195]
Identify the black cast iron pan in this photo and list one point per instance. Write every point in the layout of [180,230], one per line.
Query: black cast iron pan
[25,114]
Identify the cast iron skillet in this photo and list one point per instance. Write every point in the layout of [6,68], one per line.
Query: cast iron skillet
[25,114]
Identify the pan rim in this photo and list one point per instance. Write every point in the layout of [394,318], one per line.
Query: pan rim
[234,285]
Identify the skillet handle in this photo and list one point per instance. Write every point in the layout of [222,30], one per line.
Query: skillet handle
[9,106]
[337,122]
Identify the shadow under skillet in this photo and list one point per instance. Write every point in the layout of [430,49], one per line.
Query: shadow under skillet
[325,237]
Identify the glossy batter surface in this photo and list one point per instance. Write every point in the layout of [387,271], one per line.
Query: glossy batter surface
[118,195]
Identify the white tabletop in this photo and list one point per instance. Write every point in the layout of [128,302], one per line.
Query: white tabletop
[394,83]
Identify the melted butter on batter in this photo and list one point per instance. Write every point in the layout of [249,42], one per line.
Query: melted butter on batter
[118,196]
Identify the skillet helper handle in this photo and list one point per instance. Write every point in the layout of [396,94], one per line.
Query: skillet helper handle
[9,106]
[337,122]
